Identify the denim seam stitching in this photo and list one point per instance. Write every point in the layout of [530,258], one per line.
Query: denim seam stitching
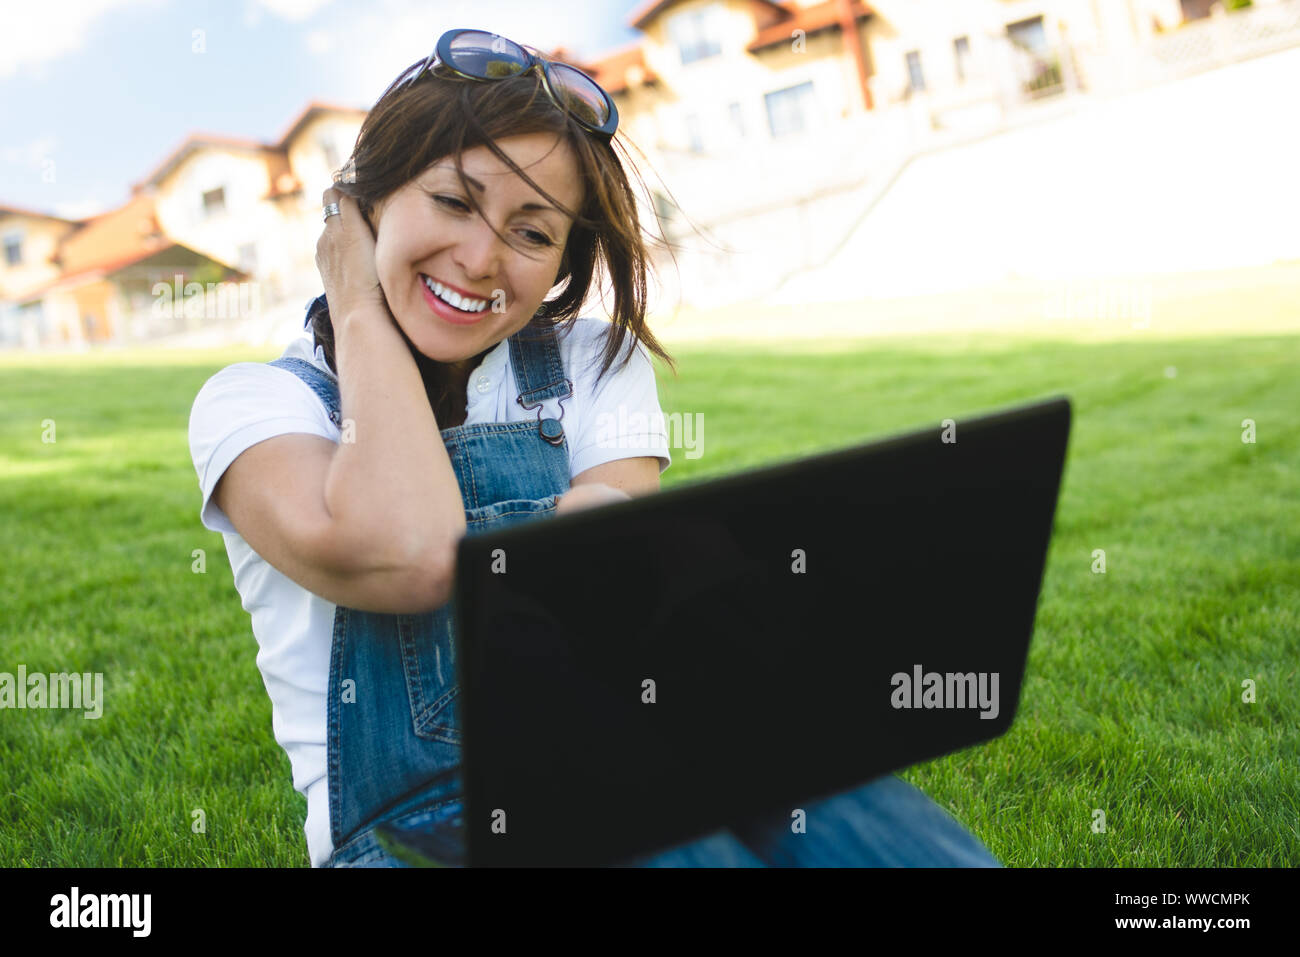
[332,742]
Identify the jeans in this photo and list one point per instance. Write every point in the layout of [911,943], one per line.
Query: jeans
[884,823]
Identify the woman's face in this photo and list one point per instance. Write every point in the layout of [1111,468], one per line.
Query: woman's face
[427,229]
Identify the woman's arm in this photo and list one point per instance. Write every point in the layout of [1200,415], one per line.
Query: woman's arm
[391,489]
[371,523]
[274,495]
[615,481]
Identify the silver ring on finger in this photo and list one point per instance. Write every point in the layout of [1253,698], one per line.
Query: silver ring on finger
[331,209]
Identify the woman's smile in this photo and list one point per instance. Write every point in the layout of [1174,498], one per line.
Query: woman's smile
[450,305]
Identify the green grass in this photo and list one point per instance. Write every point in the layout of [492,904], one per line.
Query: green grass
[1132,702]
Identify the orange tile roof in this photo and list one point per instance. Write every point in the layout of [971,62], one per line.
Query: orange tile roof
[309,112]
[612,70]
[19,211]
[821,16]
[196,141]
[71,280]
[192,143]
[127,233]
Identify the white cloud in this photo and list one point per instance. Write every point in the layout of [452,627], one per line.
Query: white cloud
[35,33]
[31,155]
[320,42]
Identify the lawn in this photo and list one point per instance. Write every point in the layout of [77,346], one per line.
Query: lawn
[1132,705]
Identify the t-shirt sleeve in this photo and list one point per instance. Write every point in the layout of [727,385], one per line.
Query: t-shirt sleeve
[623,418]
[241,405]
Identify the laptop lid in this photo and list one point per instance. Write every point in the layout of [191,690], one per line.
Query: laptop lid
[636,676]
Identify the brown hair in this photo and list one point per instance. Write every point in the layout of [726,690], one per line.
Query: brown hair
[413,125]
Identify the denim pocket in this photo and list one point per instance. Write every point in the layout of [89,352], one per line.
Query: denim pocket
[510,512]
[429,661]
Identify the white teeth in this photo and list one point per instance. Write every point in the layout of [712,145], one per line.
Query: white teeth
[454,298]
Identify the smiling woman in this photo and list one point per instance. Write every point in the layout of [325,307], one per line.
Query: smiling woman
[443,394]
[448,386]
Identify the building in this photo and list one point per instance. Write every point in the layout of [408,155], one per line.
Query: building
[234,219]
[737,78]
[769,128]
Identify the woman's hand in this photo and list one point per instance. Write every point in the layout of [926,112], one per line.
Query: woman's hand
[589,495]
[345,258]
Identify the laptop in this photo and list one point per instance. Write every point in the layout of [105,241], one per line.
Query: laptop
[640,675]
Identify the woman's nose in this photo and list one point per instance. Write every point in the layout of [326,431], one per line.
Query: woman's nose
[479,251]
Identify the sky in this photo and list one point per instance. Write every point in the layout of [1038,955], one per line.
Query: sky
[94,94]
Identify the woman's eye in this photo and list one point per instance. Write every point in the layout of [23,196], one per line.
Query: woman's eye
[533,236]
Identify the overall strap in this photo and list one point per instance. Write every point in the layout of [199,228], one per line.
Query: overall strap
[539,374]
[323,383]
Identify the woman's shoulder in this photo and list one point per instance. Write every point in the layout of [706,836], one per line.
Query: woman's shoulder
[583,329]
[583,342]
[300,348]
[244,391]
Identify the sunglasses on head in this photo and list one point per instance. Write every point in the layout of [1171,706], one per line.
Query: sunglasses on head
[479,55]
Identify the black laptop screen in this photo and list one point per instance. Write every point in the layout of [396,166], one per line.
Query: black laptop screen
[650,672]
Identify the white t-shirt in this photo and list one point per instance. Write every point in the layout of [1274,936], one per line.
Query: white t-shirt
[249,402]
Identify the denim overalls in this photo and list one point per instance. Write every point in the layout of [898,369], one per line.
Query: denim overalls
[393,725]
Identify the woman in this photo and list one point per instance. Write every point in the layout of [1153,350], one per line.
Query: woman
[442,394]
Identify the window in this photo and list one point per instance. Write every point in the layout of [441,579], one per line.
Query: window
[695,33]
[694,134]
[13,249]
[663,207]
[214,201]
[915,77]
[331,152]
[737,119]
[248,258]
[32,327]
[9,325]
[1029,35]
[961,50]
[790,110]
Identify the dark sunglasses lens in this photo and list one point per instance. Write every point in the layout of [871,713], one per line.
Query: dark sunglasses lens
[580,94]
[479,53]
